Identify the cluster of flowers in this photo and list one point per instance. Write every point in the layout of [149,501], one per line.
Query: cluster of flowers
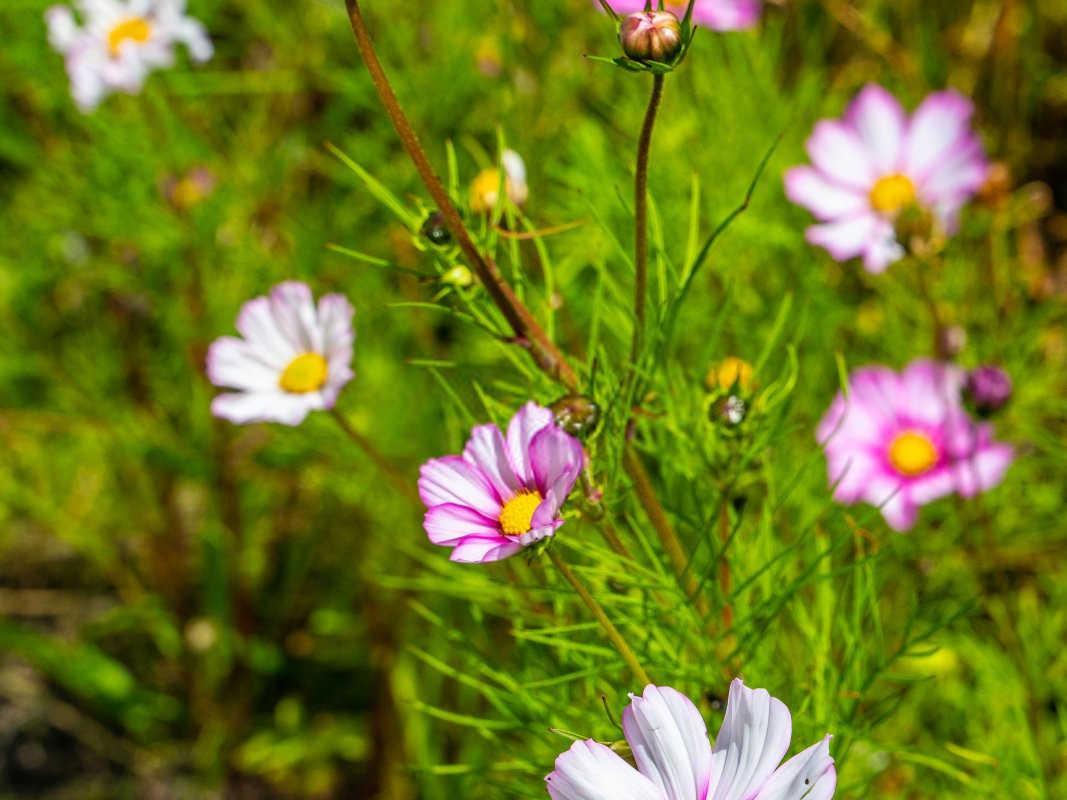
[894,440]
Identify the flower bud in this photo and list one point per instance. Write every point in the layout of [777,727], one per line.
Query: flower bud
[729,410]
[951,341]
[459,276]
[435,230]
[731,373]
[577,415]
[988,389]
[651,36]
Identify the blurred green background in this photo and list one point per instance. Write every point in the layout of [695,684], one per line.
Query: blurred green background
[189,609]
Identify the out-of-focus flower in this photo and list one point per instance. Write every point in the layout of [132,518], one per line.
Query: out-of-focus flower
[719,15]
[951,340]
[293,358]
[730,372]
[187,191]
[120,42]
[675,760]
[988,389]
[651,36]
[730,410]
[502,494]
[576,414]
[875,163]
[485,188]
[900,441]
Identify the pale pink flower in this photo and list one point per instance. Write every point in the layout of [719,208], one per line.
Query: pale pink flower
[120,42]
[900,441]
[876,161]
[719,15]
[502,494]
[294,357]
[675,760]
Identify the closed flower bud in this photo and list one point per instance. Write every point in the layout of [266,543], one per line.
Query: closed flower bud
[731,373]
[988,389]
[435,230]
[951,341]
[459,276]
[651,36]
[577,415]
[730,411]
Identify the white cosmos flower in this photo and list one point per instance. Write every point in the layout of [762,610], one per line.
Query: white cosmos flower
[294,357]
[120,42]
[675,760]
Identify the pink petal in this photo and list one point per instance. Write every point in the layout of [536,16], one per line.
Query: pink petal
[807,187]
[669,740]
[556,458]
[591,771]
[985,470]
[846,238]
[751,743]
[809,774]
[452,480]
[837,151]
[487,450]
[529,419]
[724,15]
[476,550]
[883,249]
[447,524]
[936,128]
[880,122]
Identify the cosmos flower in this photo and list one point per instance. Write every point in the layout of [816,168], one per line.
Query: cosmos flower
[294,357]
[502,494]
[719,15]
[120,42]
[876,162]
[900,441]
[485,188]
[675,760]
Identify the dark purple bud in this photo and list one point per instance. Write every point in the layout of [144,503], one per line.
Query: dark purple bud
[988,389]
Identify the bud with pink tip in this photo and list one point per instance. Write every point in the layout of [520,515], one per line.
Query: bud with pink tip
[651,36]
[988,389]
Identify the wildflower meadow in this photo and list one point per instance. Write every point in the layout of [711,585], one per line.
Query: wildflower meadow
[570,399]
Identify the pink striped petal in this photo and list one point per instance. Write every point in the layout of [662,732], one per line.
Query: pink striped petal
[450,479]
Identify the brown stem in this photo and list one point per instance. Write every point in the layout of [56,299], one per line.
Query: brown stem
[526,329]
[644,149]
[387,467]
[597,611]
[658,517]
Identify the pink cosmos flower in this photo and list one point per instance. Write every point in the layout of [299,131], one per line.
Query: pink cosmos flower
[875,162]
[501,495]
[900,441]
[675,760]
[293,358]
[719,15]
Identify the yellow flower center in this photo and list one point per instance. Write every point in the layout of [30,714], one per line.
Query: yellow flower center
[517,514]
[912,454]
[134,29]
[892,193]
[305,373]
[484,191]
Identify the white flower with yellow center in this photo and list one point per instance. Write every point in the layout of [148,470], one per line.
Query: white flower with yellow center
[294,357]
[120,42]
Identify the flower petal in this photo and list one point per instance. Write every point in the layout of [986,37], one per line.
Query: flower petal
[825,199]
[592,771]
[809,775]
[669,740]
[487,450]
[880,122]
[846,238]
[838,152]
[234,363]
[984,470]
[452,480]
[247,407]
[257,325]
[295,315]
[556,458]
[447,524]
[476,550]
[751,743]
[936,129]
[529,419]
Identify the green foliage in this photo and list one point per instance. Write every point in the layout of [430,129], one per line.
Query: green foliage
[193,607]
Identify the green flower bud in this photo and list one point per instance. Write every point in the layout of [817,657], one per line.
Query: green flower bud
[577,415]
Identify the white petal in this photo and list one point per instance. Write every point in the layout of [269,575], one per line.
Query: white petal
[234,363]
[846,238]
[669,740]
[295,315]
[591,771]
[808,187]
[246,407]
[809,775]
[256,324]
[880,121]
[936,127]
[837,151]
[751,743]
[526,423]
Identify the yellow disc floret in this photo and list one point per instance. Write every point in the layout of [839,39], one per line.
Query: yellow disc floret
[912,454]
[516,516]
[305,373]
[485,191]
[892,193]
[132,29]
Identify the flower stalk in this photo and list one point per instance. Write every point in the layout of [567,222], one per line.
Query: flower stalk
[387,467]
[601,616]
[644,149]
[527,330]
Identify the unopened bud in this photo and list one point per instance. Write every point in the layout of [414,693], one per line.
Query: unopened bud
[988,389]
[730,410]
[651,36]
[459,276]
[577,415]
[951,341]
[435,230]
[731,373]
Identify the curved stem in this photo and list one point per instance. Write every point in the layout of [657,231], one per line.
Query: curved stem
[528,331]
[597,610]
[387,467]
[644,149]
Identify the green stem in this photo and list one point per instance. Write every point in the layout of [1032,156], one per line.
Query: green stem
[601,616]
[526,329]
[388,468]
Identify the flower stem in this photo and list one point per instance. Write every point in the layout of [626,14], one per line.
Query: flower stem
[922,265]
[658,517]
[527,330]
[597,610]
[388,468]
[644,149]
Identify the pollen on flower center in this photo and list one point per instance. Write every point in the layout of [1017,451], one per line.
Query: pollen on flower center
[517,515]
[133,29]
[305,373]
[912,453]
[892,193]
